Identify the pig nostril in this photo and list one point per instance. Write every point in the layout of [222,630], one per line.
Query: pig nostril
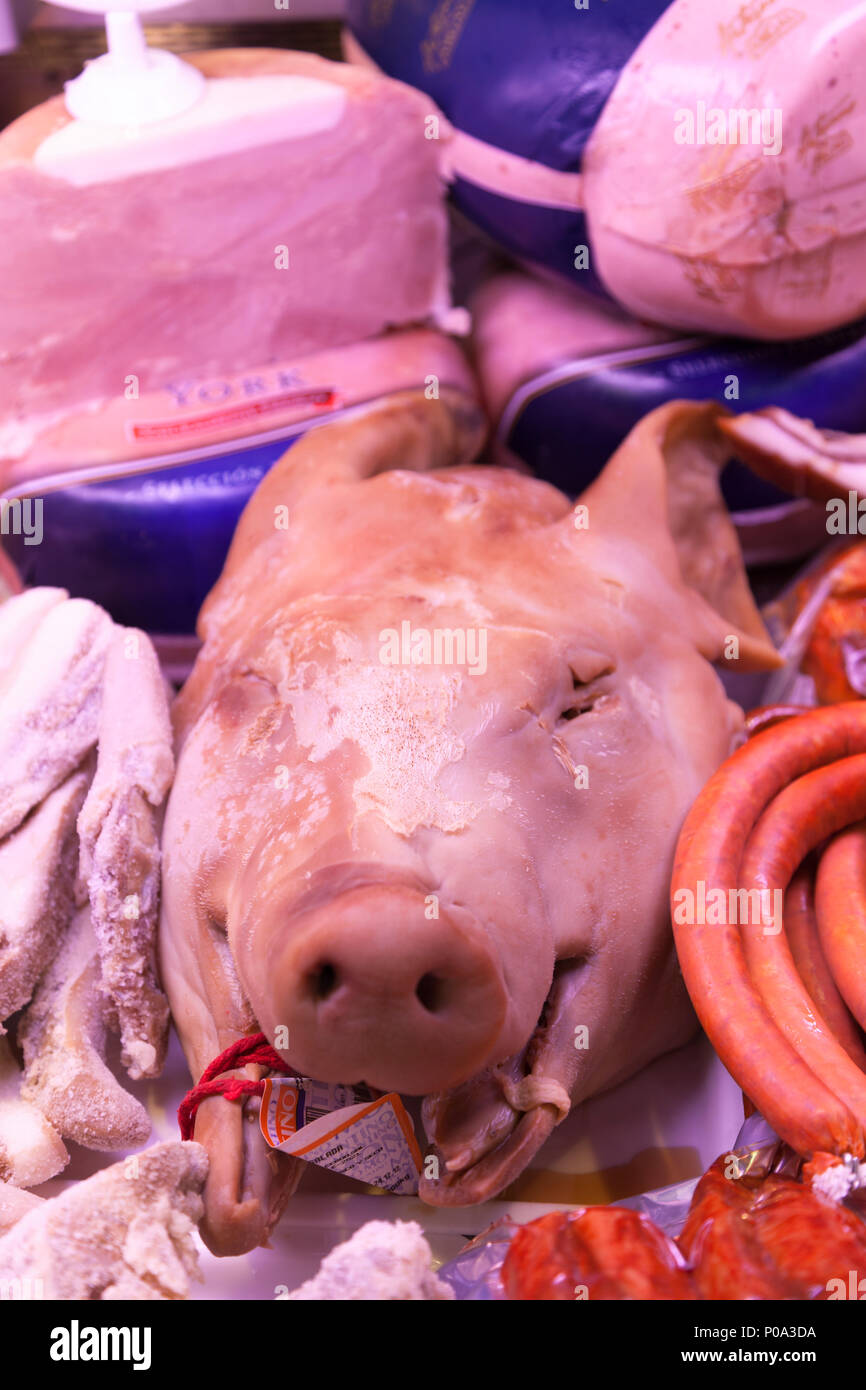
[430,992]
[323,980]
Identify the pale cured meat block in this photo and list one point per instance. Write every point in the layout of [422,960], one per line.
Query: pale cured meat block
[557,366]
[523,328]
[155,253]
[114,524]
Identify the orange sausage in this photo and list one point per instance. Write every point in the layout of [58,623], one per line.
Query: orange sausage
[769,1238]
[801,929]
[815,1242]
[800,1107]
[720,1243]
[594,1253]
[840,904]
[765,716]
[798,819]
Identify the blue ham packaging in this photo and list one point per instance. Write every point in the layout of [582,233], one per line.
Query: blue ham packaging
[530,79]
[565,376]
[139,501]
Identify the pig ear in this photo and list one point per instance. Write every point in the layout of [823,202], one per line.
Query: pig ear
[405,430]
[661,492]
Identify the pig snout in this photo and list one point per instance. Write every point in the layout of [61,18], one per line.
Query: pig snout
[372,988]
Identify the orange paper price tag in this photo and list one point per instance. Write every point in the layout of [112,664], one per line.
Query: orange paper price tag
[372,1141]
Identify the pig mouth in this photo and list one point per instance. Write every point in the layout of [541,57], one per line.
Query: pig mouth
[484,1132]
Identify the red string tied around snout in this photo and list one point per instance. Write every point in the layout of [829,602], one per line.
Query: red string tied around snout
[253,1050]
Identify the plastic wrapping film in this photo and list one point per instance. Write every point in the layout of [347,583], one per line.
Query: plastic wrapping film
[531,80]
[475,1273]
[791,623]
[791,617]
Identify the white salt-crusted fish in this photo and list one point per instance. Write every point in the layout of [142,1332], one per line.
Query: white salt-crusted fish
[31,1150]
[63,1036]
[37,874]
[119,832]
[15,1202]
[49,706]
[385,1261]
[20,619]
[125,1233]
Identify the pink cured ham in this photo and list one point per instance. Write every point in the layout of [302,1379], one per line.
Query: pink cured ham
[126,487]
[297,207]
[704,163]
[752,221]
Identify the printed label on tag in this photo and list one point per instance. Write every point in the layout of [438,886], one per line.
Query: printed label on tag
[372,1141]
[192,417]
[236,415]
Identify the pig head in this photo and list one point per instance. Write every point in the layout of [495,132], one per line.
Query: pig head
[433,759]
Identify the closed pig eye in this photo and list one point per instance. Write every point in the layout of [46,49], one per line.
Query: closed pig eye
[586,695]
